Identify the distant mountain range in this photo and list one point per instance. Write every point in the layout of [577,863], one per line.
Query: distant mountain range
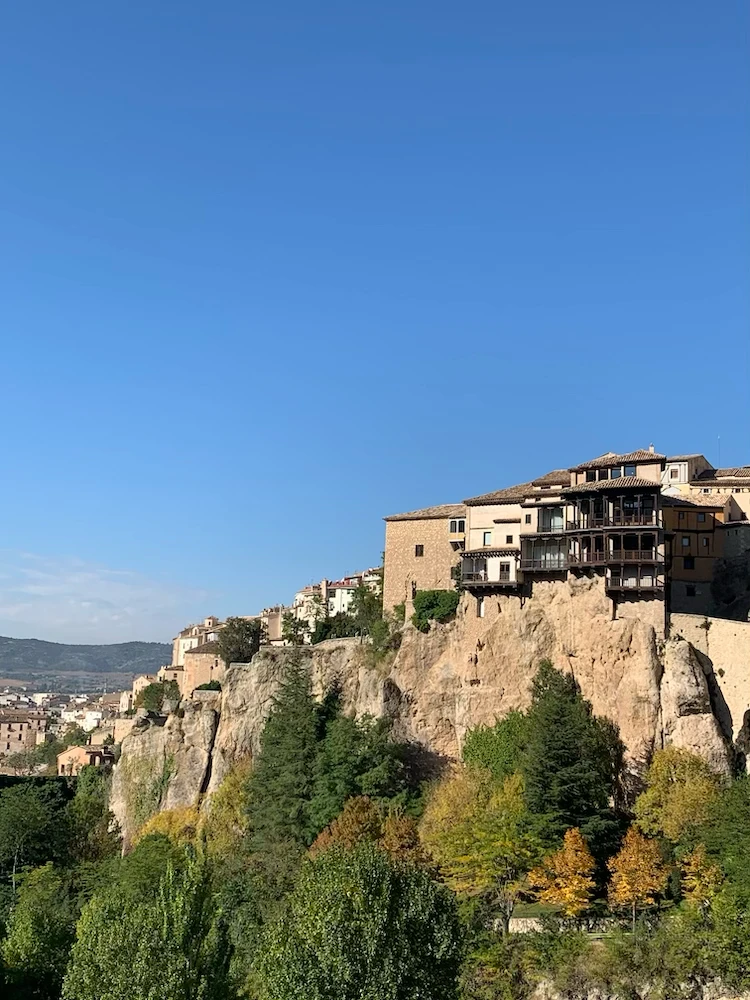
[28,657]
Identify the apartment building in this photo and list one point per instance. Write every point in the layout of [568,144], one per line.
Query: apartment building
[603,515]
[194,635]
[21,730]
[422,549]
[694,537]
[732,482]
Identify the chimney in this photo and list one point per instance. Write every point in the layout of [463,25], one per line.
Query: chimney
[651,448]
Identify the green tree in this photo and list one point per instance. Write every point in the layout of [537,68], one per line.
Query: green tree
[356,757]
[94,834]
[338,626]
[366,608]
[434,605]
[295,631]
[499,748]
[153,696]
[572,761]
[240,639]
[726,837]
[40,934]
[361,927]
[170,948]
[33,827]
[281,782]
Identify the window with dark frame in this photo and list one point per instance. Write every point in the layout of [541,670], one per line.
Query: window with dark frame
[527,519]
[686,541]
[690,590]
[701,518]
[509,539]
[688,562]
[419,550]
[630,470]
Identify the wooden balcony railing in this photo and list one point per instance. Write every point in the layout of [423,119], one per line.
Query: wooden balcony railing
[480,576]
[588,521]
[615,556]
[548,563]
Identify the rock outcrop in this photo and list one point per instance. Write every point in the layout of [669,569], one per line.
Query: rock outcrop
[469,671]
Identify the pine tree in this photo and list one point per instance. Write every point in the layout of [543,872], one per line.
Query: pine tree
[572,759]
[281,782]
[639,874]
[565,877]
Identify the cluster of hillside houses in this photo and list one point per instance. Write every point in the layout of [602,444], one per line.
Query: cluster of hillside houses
[660,534]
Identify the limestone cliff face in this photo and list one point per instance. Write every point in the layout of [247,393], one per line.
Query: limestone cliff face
[469,671]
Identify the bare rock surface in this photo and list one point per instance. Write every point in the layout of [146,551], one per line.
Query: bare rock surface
[469,671]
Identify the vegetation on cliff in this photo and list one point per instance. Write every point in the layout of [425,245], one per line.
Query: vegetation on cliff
[329,869]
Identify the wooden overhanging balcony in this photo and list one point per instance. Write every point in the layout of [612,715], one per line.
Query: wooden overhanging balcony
[585,522]
[478,577]
[552,563]
[648,582]
[601,558]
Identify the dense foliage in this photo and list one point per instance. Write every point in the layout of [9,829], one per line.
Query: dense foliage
[434,606]
[240,639]
[327,871]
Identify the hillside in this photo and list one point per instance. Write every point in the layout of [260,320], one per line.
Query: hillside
[31,657]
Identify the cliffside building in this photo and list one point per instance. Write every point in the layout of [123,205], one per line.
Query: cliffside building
[72,759]
[422,548]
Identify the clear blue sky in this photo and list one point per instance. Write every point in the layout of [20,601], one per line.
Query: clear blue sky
[271,271]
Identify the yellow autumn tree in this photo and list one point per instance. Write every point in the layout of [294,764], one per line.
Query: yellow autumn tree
[680,790]
[482,835]
[179,825]
[225,820]
[565,877]
[638,873]
[701,878]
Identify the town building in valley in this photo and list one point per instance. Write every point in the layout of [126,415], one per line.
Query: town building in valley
[72,759]
[22,730]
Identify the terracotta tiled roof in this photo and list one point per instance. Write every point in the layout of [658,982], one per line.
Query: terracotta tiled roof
[205,647]
[682,458]
[624,482]
[696,500]
[426,513]
[511,494]
[735,472]
[558,477]
[612,458]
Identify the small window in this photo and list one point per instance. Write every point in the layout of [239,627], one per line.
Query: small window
[674,473]
[509,539]
[419,550]
[480,607]
[453,527]
[591,475]
[685,541]
[604,473]
[706,489]
[615,474]
[413,589]
[527,519]
[630,470]
[681,515]
[688,562]
[487,538]
[704,543]
[690,590]
[701,518]
[462,525]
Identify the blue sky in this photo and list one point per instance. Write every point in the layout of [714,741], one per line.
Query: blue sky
[271,271]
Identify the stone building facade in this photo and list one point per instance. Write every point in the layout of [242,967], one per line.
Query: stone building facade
[202,665]
[422,548]
[21,730]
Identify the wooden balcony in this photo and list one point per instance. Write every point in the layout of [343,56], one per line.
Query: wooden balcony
[587,522]
[625,584]
[478,578]
[615,556]
[547,565]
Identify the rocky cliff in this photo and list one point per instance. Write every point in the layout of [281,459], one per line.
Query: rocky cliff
[439,684]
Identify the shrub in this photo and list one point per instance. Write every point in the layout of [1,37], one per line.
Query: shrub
[434,605]
[209,686]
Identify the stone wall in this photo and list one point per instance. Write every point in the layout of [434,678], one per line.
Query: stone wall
[402,567]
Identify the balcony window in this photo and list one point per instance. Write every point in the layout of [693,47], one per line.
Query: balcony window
[615,474]
[603,473]
[591,475]
[630,470]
